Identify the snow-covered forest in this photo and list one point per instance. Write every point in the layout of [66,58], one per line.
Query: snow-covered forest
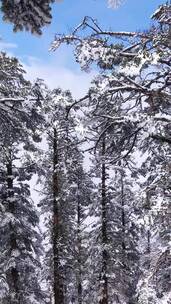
[98,230]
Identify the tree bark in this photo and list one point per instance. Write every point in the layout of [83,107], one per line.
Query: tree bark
[104,278]
[148,231]
[13,274]
[58,281]
[123,214]
[79,280]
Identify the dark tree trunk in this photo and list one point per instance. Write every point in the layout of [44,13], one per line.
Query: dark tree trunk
[104,278]
[148,231]
[58,281]
[79,280]
[123,213]
[13,275]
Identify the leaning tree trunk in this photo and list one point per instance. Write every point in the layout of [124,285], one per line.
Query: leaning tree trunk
[104,278]
[13,275]
[58,281]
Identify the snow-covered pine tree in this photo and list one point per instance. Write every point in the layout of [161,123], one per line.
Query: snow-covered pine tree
[143,82]
[20,101]
[113,254]
[80,195]
[13,88]
[51,203]
[67,195]
[154,183]
[134,57]
[20,237]
[28,15]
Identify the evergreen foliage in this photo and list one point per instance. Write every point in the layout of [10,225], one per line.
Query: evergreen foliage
[104,170]
[28,15]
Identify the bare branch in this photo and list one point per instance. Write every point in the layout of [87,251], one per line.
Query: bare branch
[75,103]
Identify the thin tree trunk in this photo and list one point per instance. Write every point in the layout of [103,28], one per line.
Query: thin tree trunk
[148,231]
[104,278]
[13,275]
[58,284]
[79,280]
[123,214]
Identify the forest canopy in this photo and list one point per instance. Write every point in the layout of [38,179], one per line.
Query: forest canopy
[99,230]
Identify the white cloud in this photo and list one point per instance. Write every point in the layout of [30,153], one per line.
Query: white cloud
[58,70]
[115,3]
[56,76]
[4,46]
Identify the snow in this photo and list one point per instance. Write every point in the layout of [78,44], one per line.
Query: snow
[115,3]
[146,161]
[15,253]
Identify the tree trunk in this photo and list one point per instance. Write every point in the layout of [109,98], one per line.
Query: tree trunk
[148,230]
[13,275]
[123,214]
[58,281]
[104,278]
[79,280]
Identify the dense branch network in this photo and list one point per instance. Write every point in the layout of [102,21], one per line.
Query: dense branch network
[103,169]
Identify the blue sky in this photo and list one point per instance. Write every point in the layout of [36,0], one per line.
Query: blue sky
[59,68]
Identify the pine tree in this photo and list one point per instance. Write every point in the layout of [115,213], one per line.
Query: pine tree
[113,253]
[20,237]
[65,185]
[54,195]
[141,125]
[80,195]
[20,101]
[29,15]
[20,241]
[134,57]
[154,281]
[114,237]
